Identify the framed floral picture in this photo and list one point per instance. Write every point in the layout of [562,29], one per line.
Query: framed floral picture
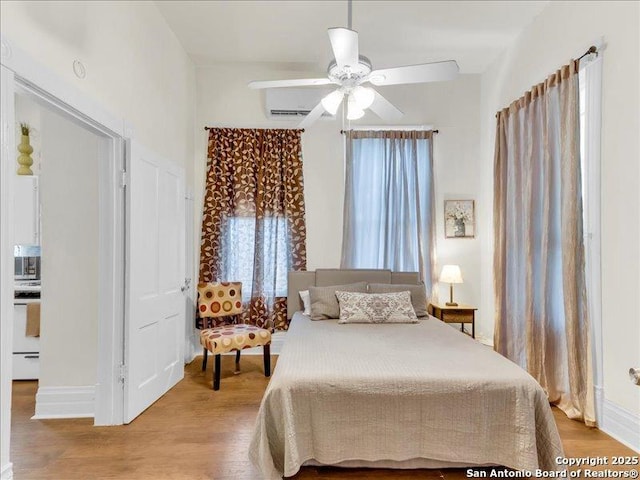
[459,219]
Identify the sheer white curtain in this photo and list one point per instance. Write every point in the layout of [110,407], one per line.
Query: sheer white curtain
[389,203]
[240,261]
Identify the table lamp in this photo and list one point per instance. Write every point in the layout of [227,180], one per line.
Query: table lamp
[451,274]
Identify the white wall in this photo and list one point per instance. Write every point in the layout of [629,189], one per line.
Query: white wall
[564,30]
[135,66]
[451,107]
[69,300]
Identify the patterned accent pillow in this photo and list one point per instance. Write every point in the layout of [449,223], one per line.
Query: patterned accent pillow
[376,307]
[418,294]
[219,299]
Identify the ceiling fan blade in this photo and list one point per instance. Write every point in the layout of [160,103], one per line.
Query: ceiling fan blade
[312,116]
[425,72]
[385,109]
[344,43]
[295,82]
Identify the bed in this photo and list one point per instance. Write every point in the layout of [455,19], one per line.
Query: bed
[420,395]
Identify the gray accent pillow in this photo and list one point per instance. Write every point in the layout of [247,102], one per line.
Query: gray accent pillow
[418,294]
[376,307]
[324,304]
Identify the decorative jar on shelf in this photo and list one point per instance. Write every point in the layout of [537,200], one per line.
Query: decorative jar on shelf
[24,159]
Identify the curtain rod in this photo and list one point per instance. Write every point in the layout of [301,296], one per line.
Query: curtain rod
[262,128]
[396,130]
[592,49]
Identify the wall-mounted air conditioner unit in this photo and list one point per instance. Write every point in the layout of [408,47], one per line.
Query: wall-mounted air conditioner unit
[283,103]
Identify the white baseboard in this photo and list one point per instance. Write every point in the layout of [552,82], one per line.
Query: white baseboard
[65,402]
[7,472]
[621,424]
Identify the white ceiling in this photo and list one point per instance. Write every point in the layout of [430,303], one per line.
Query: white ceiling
[392,33]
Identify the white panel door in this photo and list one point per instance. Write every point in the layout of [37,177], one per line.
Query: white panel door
[155,330]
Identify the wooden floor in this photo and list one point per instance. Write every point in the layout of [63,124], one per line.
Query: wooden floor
[194,433]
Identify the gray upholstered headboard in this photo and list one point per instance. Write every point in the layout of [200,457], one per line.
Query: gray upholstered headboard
[335,276]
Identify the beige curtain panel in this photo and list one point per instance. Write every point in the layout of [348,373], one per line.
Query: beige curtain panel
[253,223]
[542,321]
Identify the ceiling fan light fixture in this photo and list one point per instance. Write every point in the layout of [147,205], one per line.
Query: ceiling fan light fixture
[363,97]
[332,101]
[354,112]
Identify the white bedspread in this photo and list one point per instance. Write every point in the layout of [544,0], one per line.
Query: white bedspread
[398,392]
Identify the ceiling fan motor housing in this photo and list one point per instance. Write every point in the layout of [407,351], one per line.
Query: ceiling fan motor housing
[350,75]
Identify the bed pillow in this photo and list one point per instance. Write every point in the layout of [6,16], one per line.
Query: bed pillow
[418,294]
[306,301]
[324,304]
[376,307]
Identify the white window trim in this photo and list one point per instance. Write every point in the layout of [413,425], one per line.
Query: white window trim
[592,227]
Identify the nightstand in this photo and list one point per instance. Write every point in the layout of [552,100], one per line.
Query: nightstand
[460,314]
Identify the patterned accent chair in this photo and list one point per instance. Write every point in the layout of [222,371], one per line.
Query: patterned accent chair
[225,300]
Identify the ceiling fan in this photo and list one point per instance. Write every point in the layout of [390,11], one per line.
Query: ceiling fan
[350,70]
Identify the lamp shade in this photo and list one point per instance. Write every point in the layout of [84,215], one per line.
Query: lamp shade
[451,274]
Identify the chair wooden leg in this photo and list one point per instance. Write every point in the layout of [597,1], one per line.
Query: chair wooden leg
[216,373]
[204,360]
[266,353]
[237,370]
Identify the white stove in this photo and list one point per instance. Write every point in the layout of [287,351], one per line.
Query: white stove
[26,286]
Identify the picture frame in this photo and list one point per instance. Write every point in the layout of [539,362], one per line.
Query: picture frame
[459,219]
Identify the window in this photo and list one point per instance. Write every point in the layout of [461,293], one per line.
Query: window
[389,202]
[239,255]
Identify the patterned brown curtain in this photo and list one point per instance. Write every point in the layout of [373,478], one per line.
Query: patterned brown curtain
[253,223]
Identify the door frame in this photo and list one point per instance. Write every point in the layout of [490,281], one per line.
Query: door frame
[20,73]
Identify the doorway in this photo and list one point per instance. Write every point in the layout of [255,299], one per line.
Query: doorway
[128,175]
[103,397]
[60,299]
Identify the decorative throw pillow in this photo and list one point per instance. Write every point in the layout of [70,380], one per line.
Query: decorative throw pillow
[418,294]
[306,301]
[376,307]
[324,304]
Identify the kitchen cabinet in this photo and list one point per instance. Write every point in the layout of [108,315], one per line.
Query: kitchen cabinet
[26,210]
[26,350]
